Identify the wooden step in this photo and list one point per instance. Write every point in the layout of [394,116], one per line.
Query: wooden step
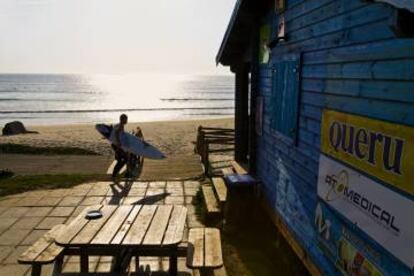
[227,171]
[210,199]
[238,168]
[216,272]
[220,187]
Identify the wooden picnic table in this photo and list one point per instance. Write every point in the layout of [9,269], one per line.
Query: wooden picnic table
[136,229]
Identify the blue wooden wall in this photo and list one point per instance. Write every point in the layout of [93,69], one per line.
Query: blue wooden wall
[351,62]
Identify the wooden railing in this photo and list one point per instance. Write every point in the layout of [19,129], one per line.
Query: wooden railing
[213,140]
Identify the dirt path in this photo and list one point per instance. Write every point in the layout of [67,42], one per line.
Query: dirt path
[23,164]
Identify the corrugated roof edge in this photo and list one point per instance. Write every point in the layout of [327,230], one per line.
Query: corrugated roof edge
[228,31]
[401,4]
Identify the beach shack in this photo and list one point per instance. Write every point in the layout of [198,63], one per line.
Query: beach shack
[324,117]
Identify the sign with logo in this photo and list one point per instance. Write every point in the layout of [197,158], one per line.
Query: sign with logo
[383,214]
[352,262]
[264,51]
[352,254]
[381,149]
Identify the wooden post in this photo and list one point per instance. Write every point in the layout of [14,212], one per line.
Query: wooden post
[254,92]
[36,269]
[241,121]
[137,272]
[57,268]
[84,261]
[206,161]
[173,262]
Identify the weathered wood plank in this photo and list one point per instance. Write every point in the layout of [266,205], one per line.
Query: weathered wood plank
[111,227]
[376,50]
[212,246]
[75,226]
[220,187]
[50,253]
[195,252]
[140,226]
[90,229]
[39,252]
[238,168]
[158,225]
[175,230]
[126,225]
[370,89]
[216,272]
[227,171]
[210,199]
[220,271]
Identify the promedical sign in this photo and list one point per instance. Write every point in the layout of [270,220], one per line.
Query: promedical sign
[381,213]
[381,149]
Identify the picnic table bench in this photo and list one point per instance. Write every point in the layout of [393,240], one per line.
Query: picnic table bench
[204,252]
[45,251]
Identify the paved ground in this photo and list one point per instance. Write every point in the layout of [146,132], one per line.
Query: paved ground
[27,216]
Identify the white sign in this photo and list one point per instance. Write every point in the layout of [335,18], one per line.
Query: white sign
[383,214]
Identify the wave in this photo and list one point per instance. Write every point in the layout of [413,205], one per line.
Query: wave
[196,99]
[48,92]
[37,100]
[11,99]
[213,114]
[114,110]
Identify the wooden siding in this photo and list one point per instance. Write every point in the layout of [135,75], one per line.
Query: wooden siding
[351,62]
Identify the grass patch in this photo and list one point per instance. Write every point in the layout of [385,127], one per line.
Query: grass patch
[25,149]
[5,174]
[19,184]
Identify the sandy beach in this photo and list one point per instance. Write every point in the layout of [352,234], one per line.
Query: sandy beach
[172,137]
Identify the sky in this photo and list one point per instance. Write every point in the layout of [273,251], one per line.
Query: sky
[112,36]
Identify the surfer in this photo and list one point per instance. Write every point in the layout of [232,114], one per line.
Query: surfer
[121,156]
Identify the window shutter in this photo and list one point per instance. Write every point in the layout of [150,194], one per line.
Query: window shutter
[285,97]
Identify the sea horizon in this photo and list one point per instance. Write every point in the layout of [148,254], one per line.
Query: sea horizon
[54,99]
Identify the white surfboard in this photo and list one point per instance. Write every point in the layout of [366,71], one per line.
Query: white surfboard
[131,143]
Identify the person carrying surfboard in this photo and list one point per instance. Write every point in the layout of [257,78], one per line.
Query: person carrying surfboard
[121,156]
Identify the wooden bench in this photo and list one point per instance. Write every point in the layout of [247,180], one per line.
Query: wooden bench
[220,188]
[227,171]
[235,168]
[45,251]
[204,253]
[212,205]
[238,168]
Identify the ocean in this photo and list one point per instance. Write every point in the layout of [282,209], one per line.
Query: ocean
[46,99]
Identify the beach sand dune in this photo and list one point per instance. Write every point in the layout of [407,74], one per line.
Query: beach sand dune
[172,137]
